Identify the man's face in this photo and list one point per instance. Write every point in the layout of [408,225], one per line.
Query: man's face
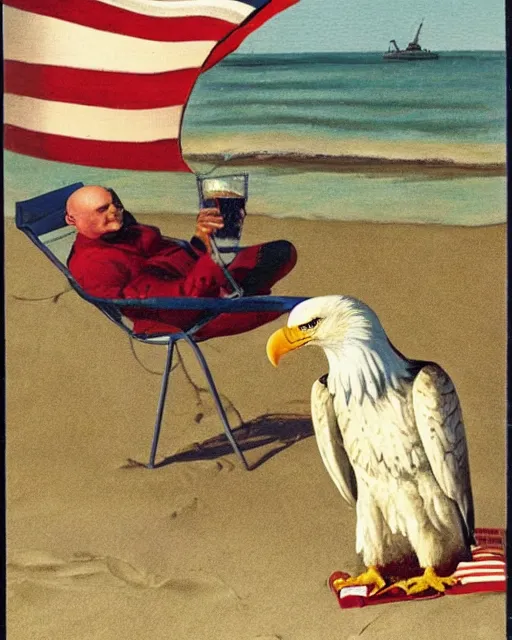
[95,213]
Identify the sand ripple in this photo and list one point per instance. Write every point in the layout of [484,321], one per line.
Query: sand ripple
[86,570]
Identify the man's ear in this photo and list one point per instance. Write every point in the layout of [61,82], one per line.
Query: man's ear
[69,219]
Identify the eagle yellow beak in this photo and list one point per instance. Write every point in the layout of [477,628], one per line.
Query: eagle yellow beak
[284,340]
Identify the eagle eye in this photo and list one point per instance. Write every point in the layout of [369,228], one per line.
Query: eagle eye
[309,325]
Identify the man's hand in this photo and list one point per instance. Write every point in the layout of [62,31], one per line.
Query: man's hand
[208,221]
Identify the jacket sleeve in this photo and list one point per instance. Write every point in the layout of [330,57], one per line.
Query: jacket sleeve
[103,278]
[112,279]
[203,280]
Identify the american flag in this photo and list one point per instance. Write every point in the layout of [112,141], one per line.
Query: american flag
[105,82]
[487,571]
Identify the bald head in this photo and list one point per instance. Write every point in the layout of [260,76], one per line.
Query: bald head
[92,211]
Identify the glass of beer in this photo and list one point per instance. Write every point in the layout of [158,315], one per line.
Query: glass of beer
[229,195]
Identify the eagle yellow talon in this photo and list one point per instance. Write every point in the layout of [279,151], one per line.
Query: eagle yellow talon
[371,577]
[419,584]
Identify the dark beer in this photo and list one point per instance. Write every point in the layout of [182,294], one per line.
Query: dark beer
[233,213]
[232,209]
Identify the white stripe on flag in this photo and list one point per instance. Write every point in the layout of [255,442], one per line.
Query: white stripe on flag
[473,580]
[483,557]
[66,44]
[475,572]
[97,123]
[479,565]
[229,10]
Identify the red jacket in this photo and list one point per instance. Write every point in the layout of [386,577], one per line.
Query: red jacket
[140,263]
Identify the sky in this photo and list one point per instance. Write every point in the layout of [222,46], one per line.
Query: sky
[369,25]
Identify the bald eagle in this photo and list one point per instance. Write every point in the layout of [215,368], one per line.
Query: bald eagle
[390,434]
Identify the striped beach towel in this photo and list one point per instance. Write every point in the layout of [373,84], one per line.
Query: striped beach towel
[485,572]
[105,82]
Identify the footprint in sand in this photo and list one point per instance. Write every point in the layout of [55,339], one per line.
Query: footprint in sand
[220,464]
[186,506]
[87,570]
[198,468]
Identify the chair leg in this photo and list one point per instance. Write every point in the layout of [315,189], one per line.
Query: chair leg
[161,404]
[215,394]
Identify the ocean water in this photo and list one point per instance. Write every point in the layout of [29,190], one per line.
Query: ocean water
[460,97]
[328,136]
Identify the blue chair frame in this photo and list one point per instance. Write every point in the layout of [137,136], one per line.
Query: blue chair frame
[44,214]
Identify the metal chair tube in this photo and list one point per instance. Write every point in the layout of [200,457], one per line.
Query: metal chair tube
[215,394]
[161,404]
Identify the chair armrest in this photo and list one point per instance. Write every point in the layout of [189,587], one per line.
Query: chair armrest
[219,305]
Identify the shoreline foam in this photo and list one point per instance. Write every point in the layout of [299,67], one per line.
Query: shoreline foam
[432,167]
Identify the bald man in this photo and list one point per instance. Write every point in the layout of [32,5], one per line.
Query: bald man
[115,257]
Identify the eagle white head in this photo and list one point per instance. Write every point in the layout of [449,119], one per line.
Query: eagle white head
[331,322]
[361,358]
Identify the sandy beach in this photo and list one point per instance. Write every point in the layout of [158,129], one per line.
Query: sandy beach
[101,548]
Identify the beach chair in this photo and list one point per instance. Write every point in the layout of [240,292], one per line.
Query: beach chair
[41,219]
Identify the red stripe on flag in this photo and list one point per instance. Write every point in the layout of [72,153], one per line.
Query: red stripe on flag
[161,155]
[490,537]
[98,15]
[99,88]
[235,39]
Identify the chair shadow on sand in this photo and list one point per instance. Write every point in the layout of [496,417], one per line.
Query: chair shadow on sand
[272,433]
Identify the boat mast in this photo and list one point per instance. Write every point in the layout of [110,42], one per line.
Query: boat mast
[415,41]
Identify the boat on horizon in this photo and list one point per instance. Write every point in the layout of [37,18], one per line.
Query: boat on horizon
[412,52]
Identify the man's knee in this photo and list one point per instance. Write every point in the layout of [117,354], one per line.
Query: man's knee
[259,267]
[280,252]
